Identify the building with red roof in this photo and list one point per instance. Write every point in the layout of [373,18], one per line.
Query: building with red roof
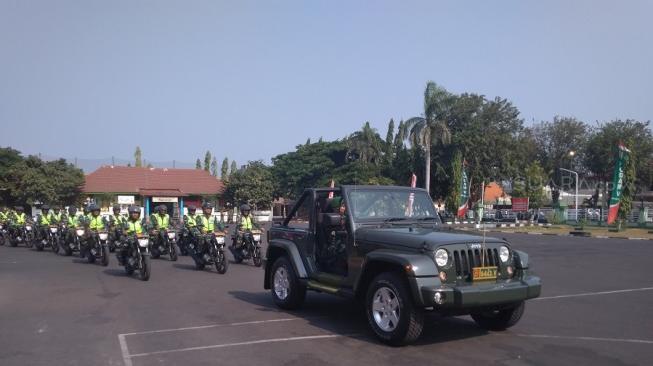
[150,187]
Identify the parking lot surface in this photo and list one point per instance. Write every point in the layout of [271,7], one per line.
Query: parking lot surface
[595,309]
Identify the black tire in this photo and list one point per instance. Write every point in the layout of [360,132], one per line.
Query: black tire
[29,241]
[258,261]
[67,251]
[39,246]
[173,252]
[499,320]
[221,263]
[55,246]
[296,291]
[410,319]
[90,256]
[199,264]
[13,242]
[105,256]
[237,257]
[146,269]
[155,253]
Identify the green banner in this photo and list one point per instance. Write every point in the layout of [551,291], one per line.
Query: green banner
[617,183]
[464,194]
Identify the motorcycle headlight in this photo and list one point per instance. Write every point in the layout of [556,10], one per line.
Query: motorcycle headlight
[143,242]
[53,229]
[104,236]
[504,253]
[257,237]
[220,239]
[79,232]
[441,257]
[28,228]
[171,235]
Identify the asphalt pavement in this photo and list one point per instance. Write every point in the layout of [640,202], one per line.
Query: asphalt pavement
[595,309]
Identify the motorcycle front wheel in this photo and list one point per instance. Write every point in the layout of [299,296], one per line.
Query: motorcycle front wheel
[144,272]
[55,246]
[105,256]
[173,252]
[221,263]
[258,261]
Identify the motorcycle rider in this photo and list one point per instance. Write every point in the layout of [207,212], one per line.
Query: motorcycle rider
[207,223]
[43,224]
[246,224]
[72,221]
[56,216]
[4,215]
[160,222]
[95,224]
[17,219]
[116,223]
[133,226]
[191,231]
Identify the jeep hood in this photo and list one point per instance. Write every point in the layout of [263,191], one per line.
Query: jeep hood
[417,237]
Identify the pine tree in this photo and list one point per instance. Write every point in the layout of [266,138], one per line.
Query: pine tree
[225,169]
[234,167]
[138,157]
[198,164]
[207,161]
[214,167]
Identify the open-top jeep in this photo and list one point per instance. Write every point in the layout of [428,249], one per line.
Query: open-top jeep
[383,246]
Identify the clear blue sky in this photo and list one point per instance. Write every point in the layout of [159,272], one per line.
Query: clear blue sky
[253,79]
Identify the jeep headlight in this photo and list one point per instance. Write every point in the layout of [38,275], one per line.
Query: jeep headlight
[104,236]
[220,239]
[143,242]
[504,253]
[441,257]
[79,232]
[257,237]
[171,235]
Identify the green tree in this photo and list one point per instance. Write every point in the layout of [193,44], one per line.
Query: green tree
[629,189]
[365,145]
[252,185]
[234,167]
[55,182]
[456,169]
[198,164]
[389,141]
[532,185]
[225,169]
[138,157]
[8,159]
[431,128]
[214,167]
[207,161]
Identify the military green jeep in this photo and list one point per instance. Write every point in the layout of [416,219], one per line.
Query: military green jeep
[384,246]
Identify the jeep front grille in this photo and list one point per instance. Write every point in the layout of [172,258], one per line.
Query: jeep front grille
[465,260]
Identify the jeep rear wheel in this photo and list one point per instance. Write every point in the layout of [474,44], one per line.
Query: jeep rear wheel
[391,312]
[287,292]
[500,319]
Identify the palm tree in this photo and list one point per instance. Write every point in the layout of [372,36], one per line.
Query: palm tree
[431,129]
[366,144]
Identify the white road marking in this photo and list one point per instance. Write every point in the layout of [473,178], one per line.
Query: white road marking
[640,341]
[224,345]
[593,293]
[211,326]
[125,351]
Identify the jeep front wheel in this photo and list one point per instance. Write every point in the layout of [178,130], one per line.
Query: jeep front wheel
[287,292]
[499,319]
[391,311]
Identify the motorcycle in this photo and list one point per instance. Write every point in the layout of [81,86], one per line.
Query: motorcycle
[137,256]
[4,233]
[250,247]
[167,244]
[214,255]
[54,237]
[23,234]
[99,248]
[76,244]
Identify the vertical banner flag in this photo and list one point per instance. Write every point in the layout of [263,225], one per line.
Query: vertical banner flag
[617,183]
[411,197]
[464,194]
[331,185]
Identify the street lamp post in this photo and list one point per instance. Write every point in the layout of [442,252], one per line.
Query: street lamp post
[576,195]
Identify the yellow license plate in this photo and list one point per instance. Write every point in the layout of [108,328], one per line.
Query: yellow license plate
[484,273]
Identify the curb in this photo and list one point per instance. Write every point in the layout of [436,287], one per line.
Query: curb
[553,234]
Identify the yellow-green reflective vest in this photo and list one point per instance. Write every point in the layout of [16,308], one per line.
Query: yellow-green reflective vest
[55,218]
[20,218]
[3,216]
[118,220]
[134,227]
[246,223]
[96,223]
[208,224]
[162,222]
[44,220]
[190,220]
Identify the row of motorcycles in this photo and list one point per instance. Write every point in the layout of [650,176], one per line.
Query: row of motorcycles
[134,252]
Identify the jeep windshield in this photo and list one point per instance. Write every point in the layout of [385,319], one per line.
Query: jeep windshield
[392,205]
